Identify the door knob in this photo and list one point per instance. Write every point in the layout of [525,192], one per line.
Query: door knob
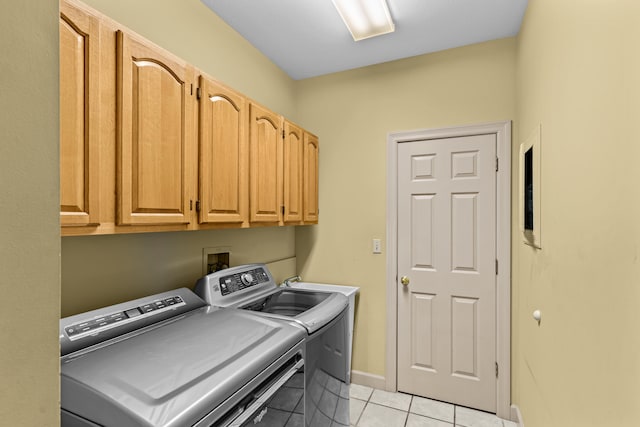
[405,280]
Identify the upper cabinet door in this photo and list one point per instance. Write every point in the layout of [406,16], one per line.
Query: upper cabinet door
[311,157]
[293,165]
[265,165]
[224,155]
[155,133]
[79,174]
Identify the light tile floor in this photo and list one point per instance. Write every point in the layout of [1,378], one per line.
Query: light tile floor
[377,408]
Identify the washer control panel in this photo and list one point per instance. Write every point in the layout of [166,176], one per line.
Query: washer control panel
[242,280]
[232,286]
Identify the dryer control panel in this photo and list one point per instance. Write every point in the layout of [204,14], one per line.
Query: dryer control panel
[86,329]
[112,320]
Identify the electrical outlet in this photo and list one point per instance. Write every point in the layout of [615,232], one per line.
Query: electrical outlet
[377,247]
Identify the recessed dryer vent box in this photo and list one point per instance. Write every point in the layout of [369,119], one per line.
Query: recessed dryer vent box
[215,259]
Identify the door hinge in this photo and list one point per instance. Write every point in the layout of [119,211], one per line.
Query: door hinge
[497,164]
[496,267]
[198,93]
[497,369]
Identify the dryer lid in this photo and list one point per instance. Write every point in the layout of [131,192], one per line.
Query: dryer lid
[175,373]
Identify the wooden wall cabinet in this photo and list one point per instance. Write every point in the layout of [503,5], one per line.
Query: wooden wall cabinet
[311,174]
[223,155]
[301,154]
[146,147]
[79,115]
[293,173]
[265,170]
[155,134]
[283,170]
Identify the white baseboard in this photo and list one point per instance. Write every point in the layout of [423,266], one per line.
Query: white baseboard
[516,415]
[370,380]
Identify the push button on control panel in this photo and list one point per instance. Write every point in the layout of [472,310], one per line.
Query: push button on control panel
[147,308]
[134,312]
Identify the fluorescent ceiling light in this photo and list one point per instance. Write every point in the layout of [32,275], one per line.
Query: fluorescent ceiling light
[365,18]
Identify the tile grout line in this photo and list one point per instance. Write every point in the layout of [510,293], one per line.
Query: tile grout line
[406,419]
[455,412]
[366,402]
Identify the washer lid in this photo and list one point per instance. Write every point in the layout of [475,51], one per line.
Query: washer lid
[311,309]
[174,374]
[252,287]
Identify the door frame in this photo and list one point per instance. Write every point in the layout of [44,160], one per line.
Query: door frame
[502,130]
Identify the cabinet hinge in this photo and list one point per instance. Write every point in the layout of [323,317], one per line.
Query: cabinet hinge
[197,205]
[497,369]
[190,205]
[198,93]
[496,267]
[497,164]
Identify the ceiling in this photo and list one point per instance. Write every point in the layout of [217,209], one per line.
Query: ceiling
[307,38]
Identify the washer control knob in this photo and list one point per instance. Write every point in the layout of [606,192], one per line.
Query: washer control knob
[247,278]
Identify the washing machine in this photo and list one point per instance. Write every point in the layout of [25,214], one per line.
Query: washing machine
[321,315]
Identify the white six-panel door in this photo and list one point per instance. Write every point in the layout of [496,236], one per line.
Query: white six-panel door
[447,256]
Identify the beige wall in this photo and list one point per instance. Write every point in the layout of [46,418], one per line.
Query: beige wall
[104,270]
[29,235]
[352,113]
[578,69]
[101,270]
